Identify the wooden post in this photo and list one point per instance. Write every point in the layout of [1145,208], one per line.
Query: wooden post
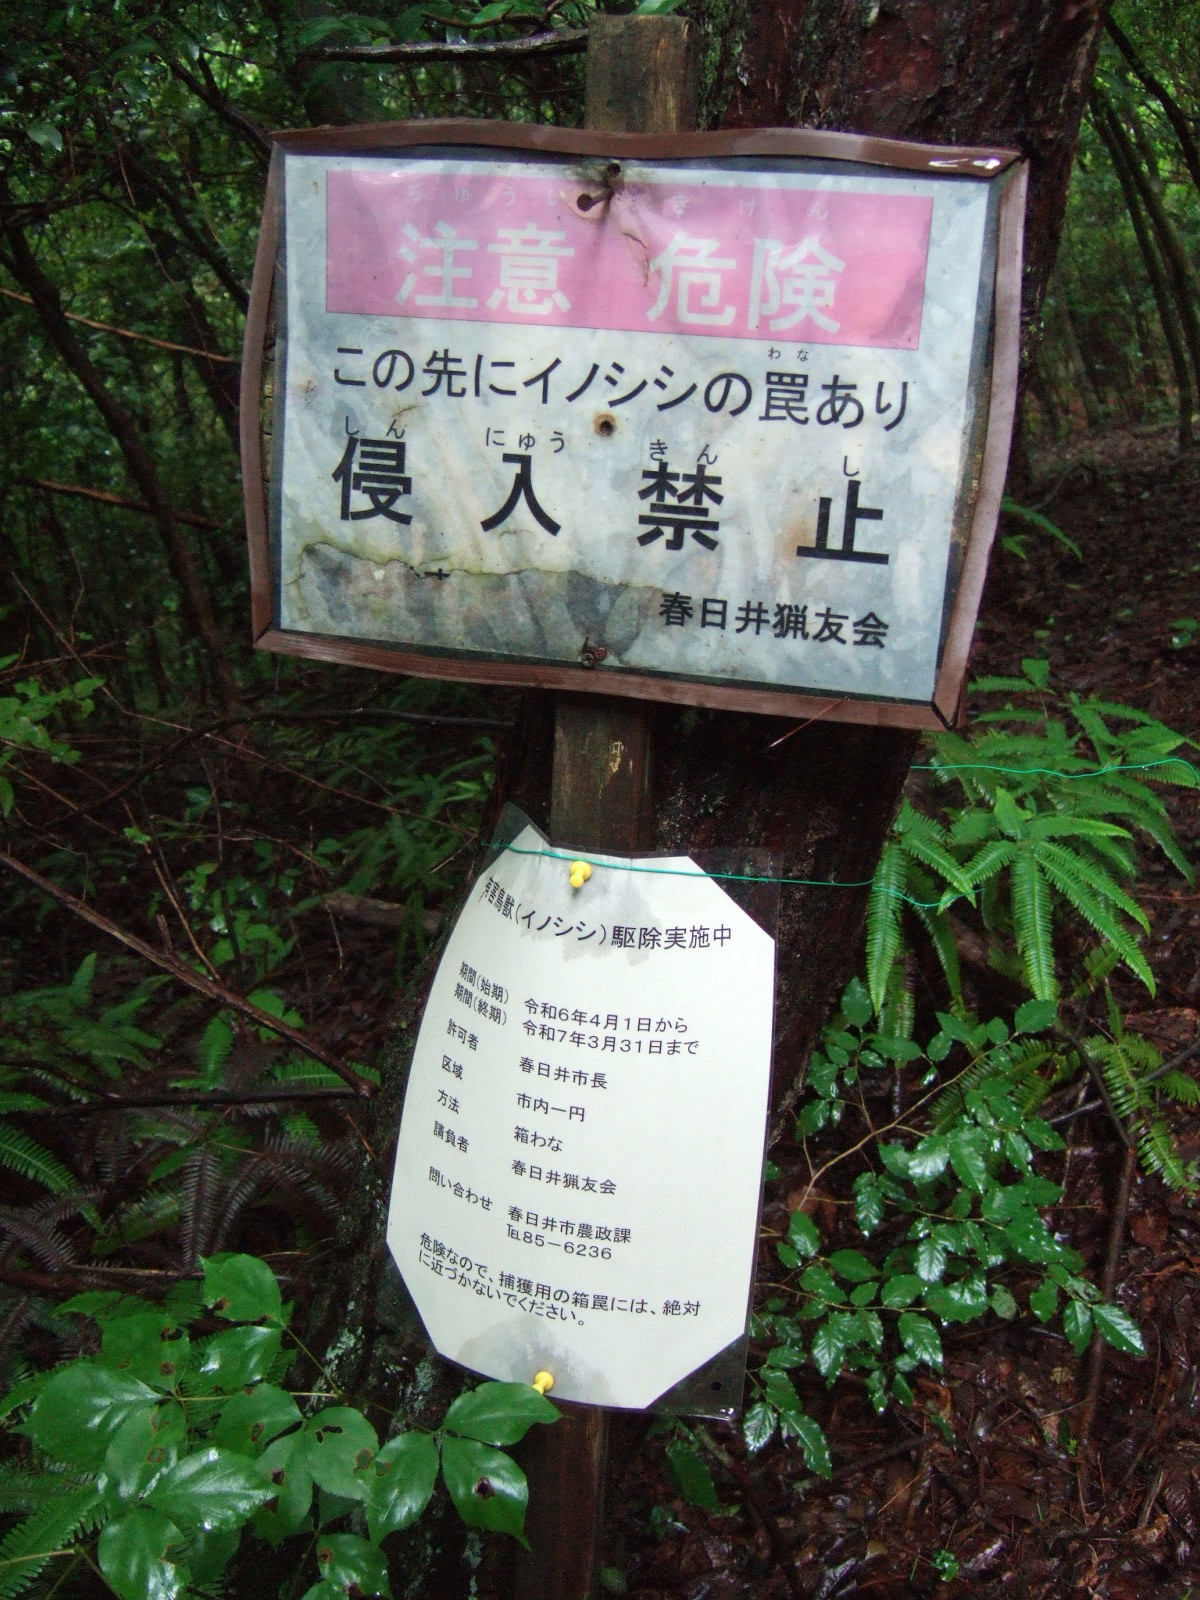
[641,78]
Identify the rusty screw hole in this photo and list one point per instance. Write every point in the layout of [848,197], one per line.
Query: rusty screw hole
[585,202]
[605,424]
[613,169]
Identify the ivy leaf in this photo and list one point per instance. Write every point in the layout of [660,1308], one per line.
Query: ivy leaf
[1118,1328]
[340,1443]
[132,1554]
[487,1487]
[352,1565]
[758,1426]
[210,1489]
[400,1482]
[920,1338]
[499,1413]
[241,1289]
[78,1412]
[692,1477]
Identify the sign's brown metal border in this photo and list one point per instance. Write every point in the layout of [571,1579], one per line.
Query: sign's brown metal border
[1000,388]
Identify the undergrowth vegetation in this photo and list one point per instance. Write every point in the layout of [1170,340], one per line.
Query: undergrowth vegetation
[151,1134]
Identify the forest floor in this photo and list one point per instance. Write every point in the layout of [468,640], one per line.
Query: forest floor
[1001,1470]
[996,1470]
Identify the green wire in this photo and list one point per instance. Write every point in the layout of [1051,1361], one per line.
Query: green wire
[863,883]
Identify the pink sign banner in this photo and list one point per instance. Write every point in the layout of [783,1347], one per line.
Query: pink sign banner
[813,265]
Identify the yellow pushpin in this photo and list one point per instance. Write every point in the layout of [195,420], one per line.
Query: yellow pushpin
[580,873]
[543,1381]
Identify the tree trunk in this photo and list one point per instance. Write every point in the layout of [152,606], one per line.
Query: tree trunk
[1161,288]
[197,606]
[821,796]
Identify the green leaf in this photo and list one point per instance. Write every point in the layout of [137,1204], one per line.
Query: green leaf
[920,1338]
[1003,1303]
[856,1003]
[239,1356]
[210,1489]
[868,1202]
[813,1443]
[901,1290]
[132,1554]
[341,1443]
[400,1482]
[46,135]
[352,1565]
[242,1288]
[758,1426]
[143,1447]
[487,1487]
[803,1233]
[930,1260]
[248,1422]
[1119,1329]
[150,1347]
[928,1160]
[691,1474]
[657,8]
[853,1266]
[78,1412]
[1043,1302]
[962,1301]
[967,1157]
[829,1348]
[1077,1325]
[499,1413]
[284,1465]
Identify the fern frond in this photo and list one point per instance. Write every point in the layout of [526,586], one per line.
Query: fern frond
[1180,1087]
[923,838]
[22,1154]
[27,1548]
[885,910]
[990,860]
[1032,925]
[1156,1146]
[1065,871]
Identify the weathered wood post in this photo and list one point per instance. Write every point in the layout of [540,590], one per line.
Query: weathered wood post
[641,78]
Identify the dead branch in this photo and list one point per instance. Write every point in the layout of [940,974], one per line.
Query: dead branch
[194,980]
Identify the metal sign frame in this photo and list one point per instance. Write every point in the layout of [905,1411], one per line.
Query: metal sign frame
[982,466]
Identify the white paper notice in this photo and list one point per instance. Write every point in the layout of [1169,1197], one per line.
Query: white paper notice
[578,1169]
